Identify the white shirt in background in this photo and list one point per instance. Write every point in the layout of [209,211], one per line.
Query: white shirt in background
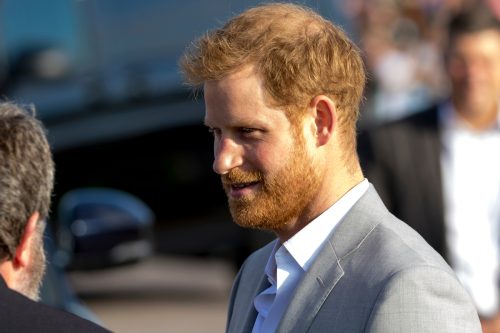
[470,162]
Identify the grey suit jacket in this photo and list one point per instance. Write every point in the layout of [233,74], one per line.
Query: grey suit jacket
[374,274]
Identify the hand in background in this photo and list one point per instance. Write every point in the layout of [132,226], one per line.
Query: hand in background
[491,325]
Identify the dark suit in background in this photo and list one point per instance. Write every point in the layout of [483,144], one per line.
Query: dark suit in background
[402,160]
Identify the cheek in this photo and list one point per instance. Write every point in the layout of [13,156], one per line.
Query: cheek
[457,75]
[265,160]
[269,158]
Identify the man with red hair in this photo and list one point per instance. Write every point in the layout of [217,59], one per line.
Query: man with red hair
[282,88]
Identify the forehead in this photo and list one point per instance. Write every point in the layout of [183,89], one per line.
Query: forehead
[239,97]
[487,42]
[243,84]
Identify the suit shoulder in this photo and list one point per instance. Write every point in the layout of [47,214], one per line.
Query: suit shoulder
[373,239]
[410,282]
[259,256]
[71,323]
[20,314]
[401,247]
[423,298]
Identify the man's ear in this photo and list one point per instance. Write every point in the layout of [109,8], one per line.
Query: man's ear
[22,257]
[325,116]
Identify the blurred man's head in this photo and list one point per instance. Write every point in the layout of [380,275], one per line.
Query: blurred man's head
[26,180]
[474,65]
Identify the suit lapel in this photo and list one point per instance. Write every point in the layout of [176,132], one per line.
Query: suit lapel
[250,313]
[326,271]
[312,291]
[252,282]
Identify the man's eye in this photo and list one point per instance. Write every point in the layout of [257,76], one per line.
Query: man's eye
[247,130]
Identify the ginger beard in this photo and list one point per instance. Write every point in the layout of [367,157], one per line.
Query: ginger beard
[280,197]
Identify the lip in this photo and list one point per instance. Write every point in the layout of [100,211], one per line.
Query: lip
[240,190]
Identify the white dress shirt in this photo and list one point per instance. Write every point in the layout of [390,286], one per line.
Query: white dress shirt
[470,162]
[291,260]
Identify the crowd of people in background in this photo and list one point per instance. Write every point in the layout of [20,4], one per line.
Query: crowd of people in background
[434,159]
[403,42]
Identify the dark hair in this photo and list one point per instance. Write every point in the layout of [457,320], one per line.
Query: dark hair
[26,174]
[472,19]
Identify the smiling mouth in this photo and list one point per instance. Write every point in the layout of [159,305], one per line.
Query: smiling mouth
[239,186]
[239,190]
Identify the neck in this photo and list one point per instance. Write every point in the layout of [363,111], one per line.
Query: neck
[330,191]
[478,117]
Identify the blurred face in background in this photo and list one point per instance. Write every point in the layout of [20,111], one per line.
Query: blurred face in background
[474,70]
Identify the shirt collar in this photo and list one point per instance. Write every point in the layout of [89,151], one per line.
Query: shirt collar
[305,244]
[271,267]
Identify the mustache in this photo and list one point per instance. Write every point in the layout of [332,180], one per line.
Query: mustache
[237,176]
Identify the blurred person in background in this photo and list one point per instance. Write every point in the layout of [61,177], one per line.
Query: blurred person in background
[282,89]
[439,170]
[26,181]
[403,42]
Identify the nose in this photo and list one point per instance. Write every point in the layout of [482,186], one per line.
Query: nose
[227,155]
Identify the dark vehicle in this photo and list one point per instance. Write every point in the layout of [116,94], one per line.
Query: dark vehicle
[104,78]
[98,228]
[56,290]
